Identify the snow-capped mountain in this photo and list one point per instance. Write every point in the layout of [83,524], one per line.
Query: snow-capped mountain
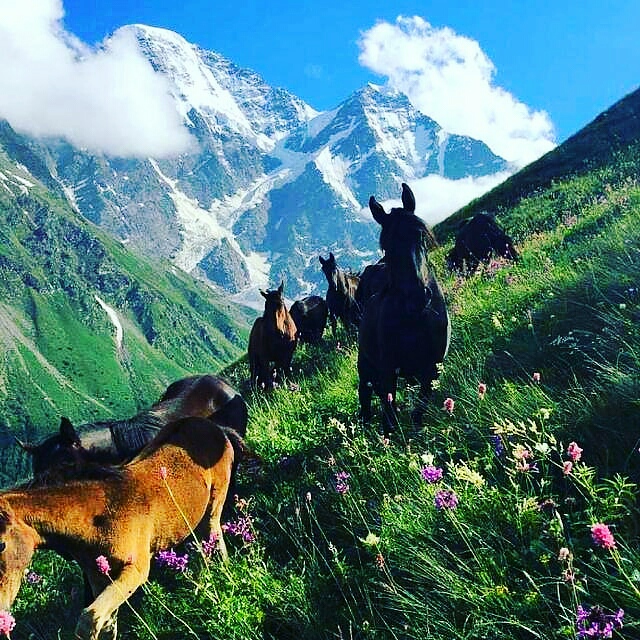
[272,184]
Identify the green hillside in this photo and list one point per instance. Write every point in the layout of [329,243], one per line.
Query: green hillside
[57,341]
[351,537]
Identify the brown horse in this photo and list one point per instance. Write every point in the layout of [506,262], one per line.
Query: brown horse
[272,341]
[175,486]
[116,441]
[341,295]
[405,328]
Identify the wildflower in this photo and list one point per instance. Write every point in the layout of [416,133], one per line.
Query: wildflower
[482,389]
[567,467]
[595,623]
[210,545]
[568,575]
[380,561]
[602,536]
[520,452]
[448,405]
[172,560]
[103,565]
[463,472]
[341,478]
[163,473]
[7,623]
[371,540]
[307,496]
[33,577]
[564,554]
[241,528]
[498,447]
[446,499]
[431,474]
[574,451]
[536,376]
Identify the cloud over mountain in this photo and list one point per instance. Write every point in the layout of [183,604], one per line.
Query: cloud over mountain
[106,99]
[450,78]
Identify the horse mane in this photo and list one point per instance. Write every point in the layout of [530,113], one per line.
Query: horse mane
[131,435]
[61,474]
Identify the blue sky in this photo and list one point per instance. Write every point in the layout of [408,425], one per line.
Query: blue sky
[521,76]
[572,58]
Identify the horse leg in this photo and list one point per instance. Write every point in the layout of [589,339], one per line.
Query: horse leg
[365,388]
[97,617]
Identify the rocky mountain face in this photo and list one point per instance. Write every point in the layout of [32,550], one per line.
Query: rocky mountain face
[272,184]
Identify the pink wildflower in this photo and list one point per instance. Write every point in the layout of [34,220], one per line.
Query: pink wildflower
[7,623]
[602,536]
[103,565]
[380,561]
[567,467]
[448,405]
[574,451]
[536,376]
[163,473]
[482,389]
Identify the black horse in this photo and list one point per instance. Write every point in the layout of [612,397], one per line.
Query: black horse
[478,240]
[310,315]
[117,441]
[405,327]
[341,295]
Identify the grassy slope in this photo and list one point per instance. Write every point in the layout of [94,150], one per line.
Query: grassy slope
[379,560]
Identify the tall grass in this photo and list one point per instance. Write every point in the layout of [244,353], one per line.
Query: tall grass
[480,524]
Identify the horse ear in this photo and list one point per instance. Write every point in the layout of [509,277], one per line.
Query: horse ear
[332,258]
[263,293]
[281,287]
[29,448]
[322,260]
[68,432]
[379,214]
[408,199]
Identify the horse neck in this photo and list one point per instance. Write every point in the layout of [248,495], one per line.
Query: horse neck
[279,321]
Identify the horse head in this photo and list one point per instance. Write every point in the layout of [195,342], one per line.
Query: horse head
[274,300]
[17,544]
[330,270]
[62,448]
[404,238]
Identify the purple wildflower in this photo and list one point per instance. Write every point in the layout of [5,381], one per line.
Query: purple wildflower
[240,527]
[498,447]
[170,559]
[595,623]
[34,578]
[341,478]
[211,545]
[446,499]
[431,474]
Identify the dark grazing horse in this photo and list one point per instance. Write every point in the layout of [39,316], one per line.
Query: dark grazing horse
[113,526]
[341,295]
[310,316]
[116,441]
[405,327]
[478,240]
[272,341]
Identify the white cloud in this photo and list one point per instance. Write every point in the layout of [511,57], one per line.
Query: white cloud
[437,197]
[449,78]
[106,99]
